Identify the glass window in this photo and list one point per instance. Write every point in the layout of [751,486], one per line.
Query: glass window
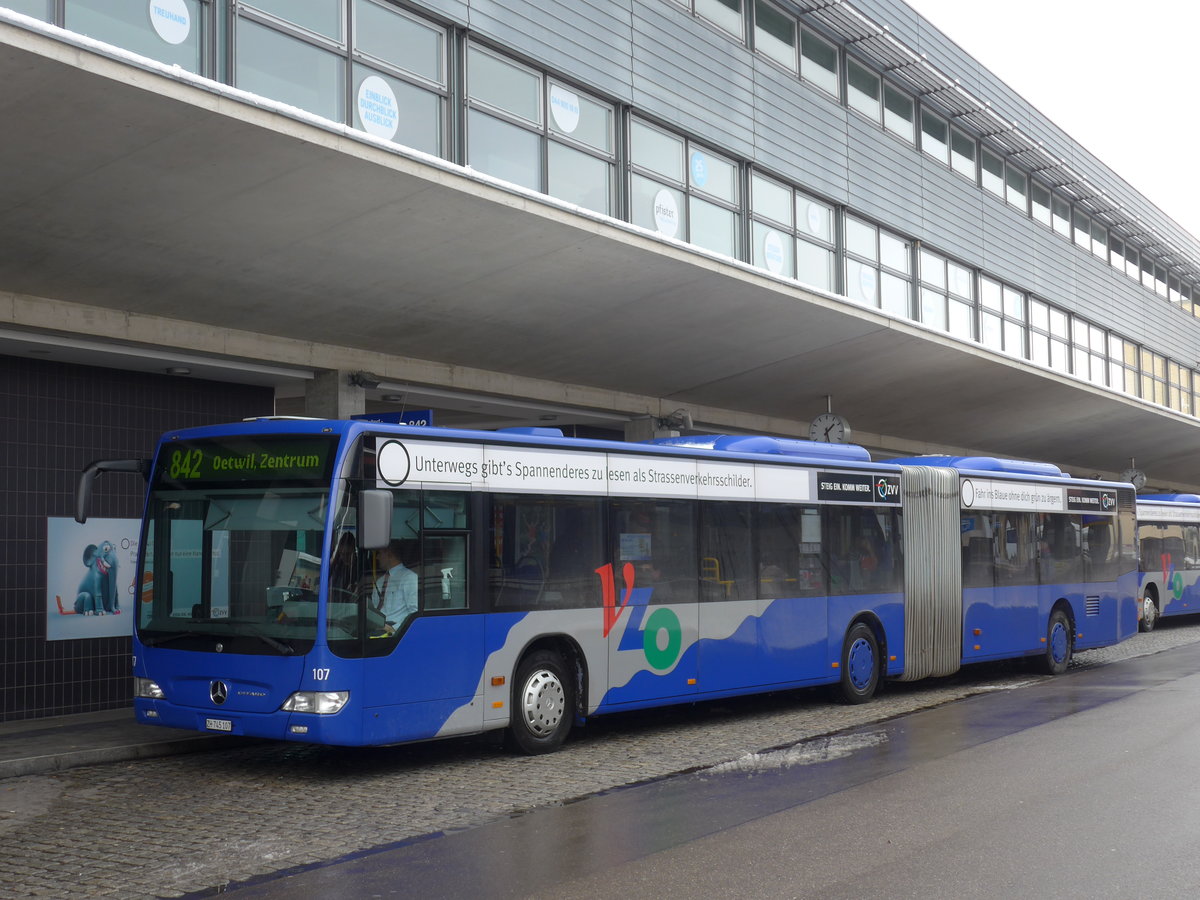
[962,154]
[1160,280]
[771,200]
[1153,377]
[504,85]
[879,276]
[657,207]
[172,35]
[1060,558]
[775,34]
[542,551]
[398,111]
[272,64]
[323,17]
[1061,212]
[658,538]
[712,227]
[862,89]
[580,118]
[814,217]
[1002,323]
[504,150]
[1083,229]
[1016,188]
[727,570]
[992,169]
[860,239]
[37,9]
[772,250]
[1133,266]
[1039,199]
[726,14]
[713,175]
[893,252]
[814,242]
[947,295]
[819,62]
[935,136]
[1116,252]
[771,205]
[898,115]
[1179,388]
[1099,239]
[656,151]
[579,178]
[584,172]
[814,265]
[386,34]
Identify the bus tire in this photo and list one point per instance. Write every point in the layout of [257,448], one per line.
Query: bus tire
[859,666]
[543,704]
[1149,612]
[1060,643]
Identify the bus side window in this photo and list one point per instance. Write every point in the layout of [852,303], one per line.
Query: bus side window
[444,572]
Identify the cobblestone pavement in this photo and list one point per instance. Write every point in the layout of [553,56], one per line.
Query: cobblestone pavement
[184,824]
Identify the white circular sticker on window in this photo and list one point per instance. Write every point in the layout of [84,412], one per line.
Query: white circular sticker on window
[564,106]
[666,213]
[393,463]
[377,108]
[171,20]
[866,283]
[773,252]
[816,220]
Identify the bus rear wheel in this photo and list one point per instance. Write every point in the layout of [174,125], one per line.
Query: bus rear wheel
[1060,644]
[542,704]
[860,665]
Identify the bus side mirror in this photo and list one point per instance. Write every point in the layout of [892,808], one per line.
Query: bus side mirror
[83,486]
[374,519]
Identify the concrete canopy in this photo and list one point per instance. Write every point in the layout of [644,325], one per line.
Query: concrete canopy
[138,192]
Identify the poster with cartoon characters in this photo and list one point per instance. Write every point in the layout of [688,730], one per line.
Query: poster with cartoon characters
[90,570]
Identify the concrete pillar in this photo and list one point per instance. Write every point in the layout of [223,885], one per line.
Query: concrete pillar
[330,395]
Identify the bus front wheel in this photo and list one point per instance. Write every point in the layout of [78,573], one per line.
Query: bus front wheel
[1059,644]
[1149,613]
[860,665]
[542,704]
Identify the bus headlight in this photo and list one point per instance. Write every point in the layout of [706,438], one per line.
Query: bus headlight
[322,703]
[147,689]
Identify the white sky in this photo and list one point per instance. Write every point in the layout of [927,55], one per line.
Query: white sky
[1119,78]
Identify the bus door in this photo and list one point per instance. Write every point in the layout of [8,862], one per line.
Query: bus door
[651,621]
[424,651]
[1000,610]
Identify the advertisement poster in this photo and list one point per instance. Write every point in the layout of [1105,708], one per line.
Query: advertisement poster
[90,570]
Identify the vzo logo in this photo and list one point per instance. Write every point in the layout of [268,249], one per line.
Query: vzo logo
[662,653]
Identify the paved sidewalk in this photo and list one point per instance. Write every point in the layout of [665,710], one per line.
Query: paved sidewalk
[33,746]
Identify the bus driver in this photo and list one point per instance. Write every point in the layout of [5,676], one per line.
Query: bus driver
[395,591]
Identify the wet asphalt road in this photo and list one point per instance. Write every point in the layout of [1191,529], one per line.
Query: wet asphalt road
[460,817]
[1079,787]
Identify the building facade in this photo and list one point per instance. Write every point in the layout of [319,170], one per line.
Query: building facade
[620,217]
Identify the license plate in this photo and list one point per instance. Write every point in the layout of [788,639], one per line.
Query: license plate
[218,725]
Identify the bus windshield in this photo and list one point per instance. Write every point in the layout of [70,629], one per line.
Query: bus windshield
[235,570]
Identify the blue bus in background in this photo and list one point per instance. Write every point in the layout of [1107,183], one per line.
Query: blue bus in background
[358,583]
[1169,541]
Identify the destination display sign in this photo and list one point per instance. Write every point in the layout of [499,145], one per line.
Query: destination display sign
[239,460]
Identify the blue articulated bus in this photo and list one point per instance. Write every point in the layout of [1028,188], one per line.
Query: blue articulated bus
[354,583]
[1169,540]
